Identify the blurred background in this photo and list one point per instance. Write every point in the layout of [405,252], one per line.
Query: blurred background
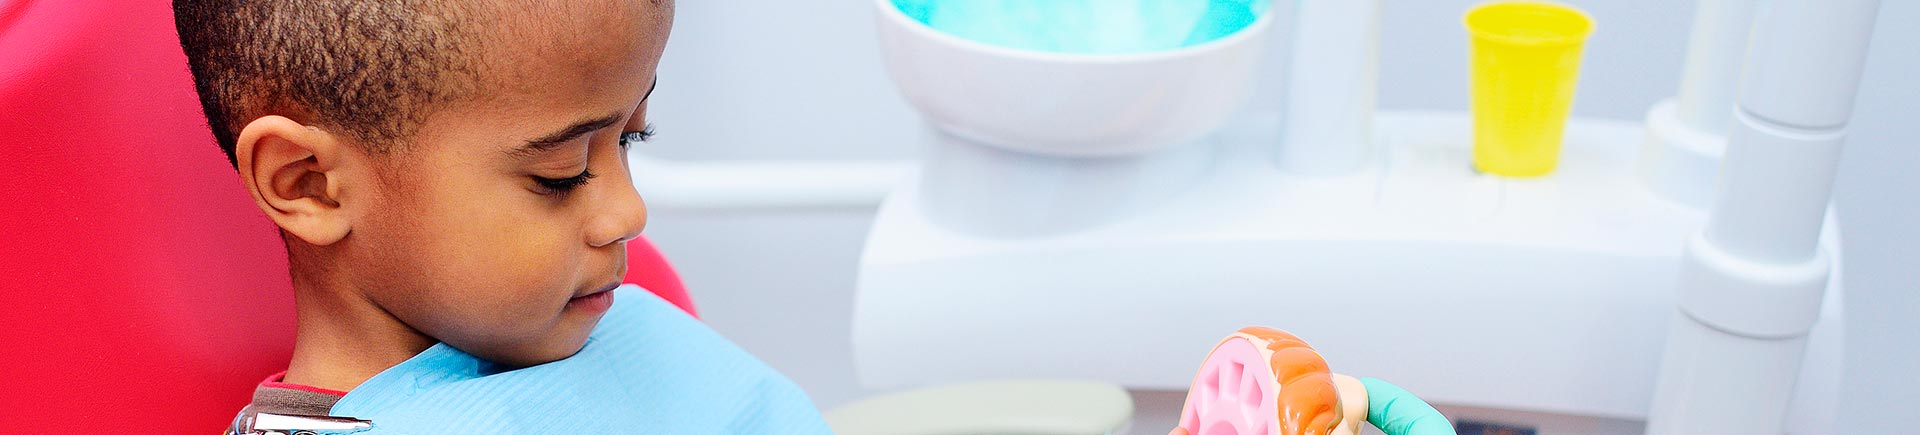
[803,80]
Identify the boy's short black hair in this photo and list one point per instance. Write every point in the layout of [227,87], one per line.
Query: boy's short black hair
[370,69]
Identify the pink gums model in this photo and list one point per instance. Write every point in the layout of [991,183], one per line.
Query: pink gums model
[1262,381]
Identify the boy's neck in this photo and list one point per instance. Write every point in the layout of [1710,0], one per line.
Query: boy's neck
[344,339]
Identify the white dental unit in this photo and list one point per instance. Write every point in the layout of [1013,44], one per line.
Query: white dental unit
[1108,218]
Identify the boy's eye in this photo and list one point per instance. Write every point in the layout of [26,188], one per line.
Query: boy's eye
[560,186]
[645,134]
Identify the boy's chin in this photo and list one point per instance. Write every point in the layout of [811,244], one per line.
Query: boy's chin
[555,350]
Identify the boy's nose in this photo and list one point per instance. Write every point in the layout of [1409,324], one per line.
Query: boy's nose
[621,218]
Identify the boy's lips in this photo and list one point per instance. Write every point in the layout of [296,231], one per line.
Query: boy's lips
[602,289]
[598,300]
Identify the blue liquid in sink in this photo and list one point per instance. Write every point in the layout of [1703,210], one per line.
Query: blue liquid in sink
[1086,26]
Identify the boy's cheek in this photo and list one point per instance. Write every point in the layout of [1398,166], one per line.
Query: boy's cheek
[495,267]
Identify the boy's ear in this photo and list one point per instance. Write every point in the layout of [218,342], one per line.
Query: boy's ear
[294,173]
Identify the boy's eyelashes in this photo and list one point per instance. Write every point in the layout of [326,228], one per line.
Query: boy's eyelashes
[627,139]
[561,186]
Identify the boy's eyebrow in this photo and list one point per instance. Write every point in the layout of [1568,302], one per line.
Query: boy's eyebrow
[558,138]
[571,132]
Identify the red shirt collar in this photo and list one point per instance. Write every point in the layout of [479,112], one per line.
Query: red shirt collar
[275,382]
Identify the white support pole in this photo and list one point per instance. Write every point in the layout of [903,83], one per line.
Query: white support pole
[1796,97]
[1720,29]
[1752,281]
[1332,81]
[1687,135]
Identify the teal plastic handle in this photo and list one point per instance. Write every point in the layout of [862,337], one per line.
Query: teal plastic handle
[1396,411]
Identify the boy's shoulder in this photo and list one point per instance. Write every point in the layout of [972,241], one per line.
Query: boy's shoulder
[648,367]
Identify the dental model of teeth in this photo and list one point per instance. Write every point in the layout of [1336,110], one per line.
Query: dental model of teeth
[1265,381]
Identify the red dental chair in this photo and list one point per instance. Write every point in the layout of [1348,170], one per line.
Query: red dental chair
[140,290]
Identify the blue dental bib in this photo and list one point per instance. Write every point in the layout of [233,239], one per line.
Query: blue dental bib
[647,367]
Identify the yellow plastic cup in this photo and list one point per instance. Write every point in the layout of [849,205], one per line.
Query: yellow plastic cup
[1526,60]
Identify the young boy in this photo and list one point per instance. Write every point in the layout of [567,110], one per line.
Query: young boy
[450,179]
